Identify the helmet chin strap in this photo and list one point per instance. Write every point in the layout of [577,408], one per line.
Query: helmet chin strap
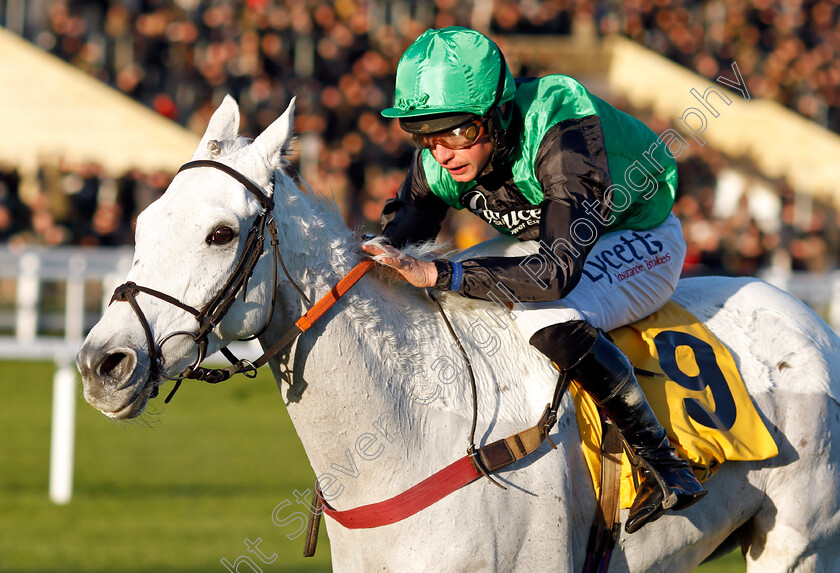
[502,147]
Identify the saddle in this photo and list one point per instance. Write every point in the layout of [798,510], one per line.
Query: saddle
[693,385]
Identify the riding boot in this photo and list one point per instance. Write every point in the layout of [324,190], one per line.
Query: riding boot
[607,375]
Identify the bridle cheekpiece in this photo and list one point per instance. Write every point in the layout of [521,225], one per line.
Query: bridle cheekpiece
[212,313]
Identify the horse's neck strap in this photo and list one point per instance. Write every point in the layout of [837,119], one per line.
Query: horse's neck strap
[332,297]
[477,463]
[484,460]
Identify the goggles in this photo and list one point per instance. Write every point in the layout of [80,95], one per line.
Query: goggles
[459,137]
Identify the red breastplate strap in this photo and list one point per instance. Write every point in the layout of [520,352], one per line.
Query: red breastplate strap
[464,471]
[429,491]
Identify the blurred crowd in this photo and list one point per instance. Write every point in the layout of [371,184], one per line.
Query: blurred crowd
[75,204]
[786,50]
[760,224]
[181,56]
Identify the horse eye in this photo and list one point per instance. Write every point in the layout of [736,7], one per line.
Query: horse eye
[221,236]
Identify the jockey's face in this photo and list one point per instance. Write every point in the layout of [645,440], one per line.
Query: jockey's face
[465,164]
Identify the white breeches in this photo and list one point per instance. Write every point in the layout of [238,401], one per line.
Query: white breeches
[627,276]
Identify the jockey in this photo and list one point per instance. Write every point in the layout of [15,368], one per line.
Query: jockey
[586,189]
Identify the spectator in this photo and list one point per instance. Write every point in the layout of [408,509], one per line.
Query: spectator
[179,58]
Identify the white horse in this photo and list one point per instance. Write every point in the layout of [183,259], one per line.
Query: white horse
[374,396]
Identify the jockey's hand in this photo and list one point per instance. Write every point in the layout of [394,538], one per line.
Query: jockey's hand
[419,273]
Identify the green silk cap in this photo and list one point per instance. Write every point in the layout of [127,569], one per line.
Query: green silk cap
[450,71]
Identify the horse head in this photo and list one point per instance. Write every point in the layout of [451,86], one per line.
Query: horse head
[202,274]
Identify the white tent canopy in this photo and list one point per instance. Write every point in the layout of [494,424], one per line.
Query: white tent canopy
[49,109]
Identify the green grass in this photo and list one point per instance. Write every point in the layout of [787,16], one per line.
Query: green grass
[731,563]
[177,490]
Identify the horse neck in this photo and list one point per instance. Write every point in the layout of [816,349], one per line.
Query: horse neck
[367,386]
[316,245]
[335,384]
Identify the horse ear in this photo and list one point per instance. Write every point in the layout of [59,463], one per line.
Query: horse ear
[273,143]
[223,126]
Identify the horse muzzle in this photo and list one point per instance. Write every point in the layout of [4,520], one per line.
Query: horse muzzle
[117,382]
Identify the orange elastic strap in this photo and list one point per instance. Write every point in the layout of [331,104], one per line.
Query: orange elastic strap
[336,292]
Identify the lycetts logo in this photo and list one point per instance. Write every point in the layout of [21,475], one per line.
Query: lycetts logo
[634,249]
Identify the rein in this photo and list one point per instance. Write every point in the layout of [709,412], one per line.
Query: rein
[216,308]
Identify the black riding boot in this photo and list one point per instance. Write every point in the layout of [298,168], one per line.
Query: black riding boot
[607,375]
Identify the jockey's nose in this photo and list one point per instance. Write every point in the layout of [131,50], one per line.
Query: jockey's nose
[442,154]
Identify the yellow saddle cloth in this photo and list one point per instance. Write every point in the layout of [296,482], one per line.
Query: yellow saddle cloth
[695,390]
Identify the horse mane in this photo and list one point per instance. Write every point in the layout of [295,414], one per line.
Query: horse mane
[400,328]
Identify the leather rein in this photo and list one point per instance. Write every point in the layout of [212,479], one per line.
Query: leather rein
[212,313]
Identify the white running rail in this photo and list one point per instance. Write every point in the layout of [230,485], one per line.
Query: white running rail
[49,299]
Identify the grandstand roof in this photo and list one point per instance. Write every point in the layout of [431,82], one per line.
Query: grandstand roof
[778,141]
[49,109]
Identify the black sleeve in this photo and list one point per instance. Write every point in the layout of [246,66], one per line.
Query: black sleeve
[571,166]
[416,213]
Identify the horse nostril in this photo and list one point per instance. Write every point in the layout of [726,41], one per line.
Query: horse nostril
[110,363]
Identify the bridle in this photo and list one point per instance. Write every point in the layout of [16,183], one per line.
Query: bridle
[216,308]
